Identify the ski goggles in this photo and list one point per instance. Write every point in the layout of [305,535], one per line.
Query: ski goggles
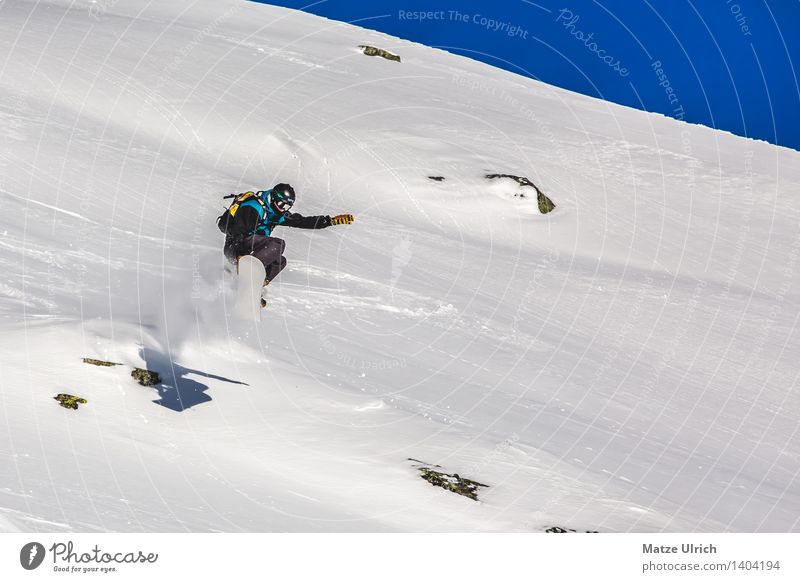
[283,203]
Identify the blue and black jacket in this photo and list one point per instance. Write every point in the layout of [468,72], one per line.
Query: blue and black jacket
[254,217]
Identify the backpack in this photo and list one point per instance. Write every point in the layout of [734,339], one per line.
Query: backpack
[225,220]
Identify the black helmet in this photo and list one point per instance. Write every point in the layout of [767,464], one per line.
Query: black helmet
[282,197]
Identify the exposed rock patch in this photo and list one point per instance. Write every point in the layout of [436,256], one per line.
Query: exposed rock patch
[372,51]
[452,482]
[545,204]
[94,362]
[146,377]
[558,529]
[69,401]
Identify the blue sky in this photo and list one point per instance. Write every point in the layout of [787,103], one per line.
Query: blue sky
[728,64]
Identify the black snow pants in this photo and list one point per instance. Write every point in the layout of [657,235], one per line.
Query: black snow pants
[267,249]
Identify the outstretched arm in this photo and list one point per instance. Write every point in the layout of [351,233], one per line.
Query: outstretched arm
[300,221]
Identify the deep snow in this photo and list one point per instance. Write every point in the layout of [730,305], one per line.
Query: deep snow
[625,363]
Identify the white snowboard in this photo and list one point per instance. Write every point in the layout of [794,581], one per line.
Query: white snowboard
[248,291]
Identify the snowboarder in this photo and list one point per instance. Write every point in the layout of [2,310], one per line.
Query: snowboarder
[249,222]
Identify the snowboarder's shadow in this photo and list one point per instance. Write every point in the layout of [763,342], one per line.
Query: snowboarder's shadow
[176,391]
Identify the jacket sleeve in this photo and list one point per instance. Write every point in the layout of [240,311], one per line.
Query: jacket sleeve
[300,221]
[244,222]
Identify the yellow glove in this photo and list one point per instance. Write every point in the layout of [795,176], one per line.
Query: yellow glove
[342,219]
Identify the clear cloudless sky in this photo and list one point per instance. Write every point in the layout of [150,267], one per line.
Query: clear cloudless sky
[730,64]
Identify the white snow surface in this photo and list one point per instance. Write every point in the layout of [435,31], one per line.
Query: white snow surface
[628,362]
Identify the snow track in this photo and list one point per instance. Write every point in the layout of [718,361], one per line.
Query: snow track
[625,363]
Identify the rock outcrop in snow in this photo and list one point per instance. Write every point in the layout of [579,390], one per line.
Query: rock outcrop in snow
[626,363]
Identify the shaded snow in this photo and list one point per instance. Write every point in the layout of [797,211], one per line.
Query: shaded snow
[626,363]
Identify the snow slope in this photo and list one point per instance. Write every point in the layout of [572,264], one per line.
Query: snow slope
[625,363]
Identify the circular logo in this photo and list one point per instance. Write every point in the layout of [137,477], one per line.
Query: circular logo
[31,555]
